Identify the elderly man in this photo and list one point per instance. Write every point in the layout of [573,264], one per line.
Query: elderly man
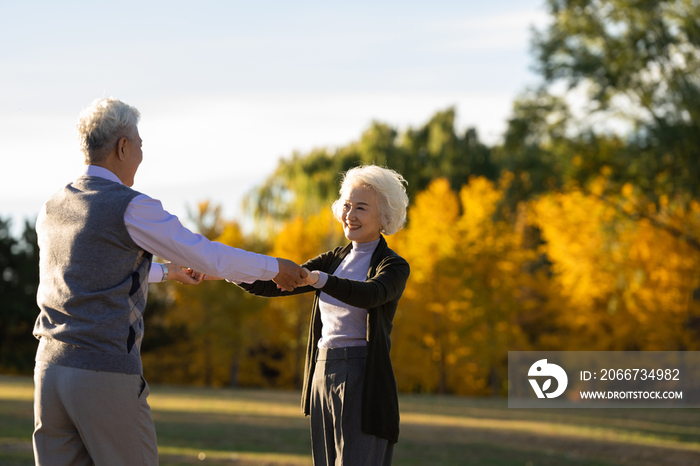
[97,237]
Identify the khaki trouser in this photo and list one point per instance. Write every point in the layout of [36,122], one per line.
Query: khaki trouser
[84,417]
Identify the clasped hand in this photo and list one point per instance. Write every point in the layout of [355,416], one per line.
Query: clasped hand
[291,275]
[309,278]
[185,276]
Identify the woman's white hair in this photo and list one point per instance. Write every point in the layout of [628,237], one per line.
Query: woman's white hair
[102,123]
[392,200]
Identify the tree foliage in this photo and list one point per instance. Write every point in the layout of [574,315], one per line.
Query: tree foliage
[626,284]
[641,58]
[645,50]
[305,183]
[19,279]
[458,316]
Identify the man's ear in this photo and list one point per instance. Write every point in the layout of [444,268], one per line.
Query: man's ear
[121,148]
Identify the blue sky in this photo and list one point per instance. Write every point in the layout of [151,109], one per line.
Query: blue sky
[226,89]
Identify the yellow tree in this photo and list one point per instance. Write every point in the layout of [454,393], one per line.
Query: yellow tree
[627,281]
[421,329]
[460,314]
[495,277]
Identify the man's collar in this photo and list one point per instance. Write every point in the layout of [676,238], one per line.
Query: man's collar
[101,172]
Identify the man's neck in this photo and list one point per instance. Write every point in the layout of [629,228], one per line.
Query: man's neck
[101,172]
[110,165]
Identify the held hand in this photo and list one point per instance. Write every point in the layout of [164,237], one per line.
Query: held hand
[290,275]
[311,277]
[183,276]
[198,276]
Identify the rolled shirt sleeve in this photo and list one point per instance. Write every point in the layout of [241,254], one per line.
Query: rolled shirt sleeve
[161,233]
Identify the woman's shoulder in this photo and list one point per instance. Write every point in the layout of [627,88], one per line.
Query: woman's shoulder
[391,257]
[394,257]
[340,251]
[324,260]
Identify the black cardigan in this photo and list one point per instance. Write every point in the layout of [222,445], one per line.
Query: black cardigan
[386,280]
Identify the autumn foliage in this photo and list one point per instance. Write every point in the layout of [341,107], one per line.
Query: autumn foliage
[568,270]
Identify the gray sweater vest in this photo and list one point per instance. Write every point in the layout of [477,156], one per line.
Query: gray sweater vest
[93,279]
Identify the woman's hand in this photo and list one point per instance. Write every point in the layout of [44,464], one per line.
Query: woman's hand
[311,277]
[184,276]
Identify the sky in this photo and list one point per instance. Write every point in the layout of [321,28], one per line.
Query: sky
[228,88]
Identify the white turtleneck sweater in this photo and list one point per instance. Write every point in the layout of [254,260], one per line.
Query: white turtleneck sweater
[345,325]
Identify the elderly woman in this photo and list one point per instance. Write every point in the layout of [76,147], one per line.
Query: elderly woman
[349,385]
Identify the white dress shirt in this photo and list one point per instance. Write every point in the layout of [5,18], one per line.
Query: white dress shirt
[161,233]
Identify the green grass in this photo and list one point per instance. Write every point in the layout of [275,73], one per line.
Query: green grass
[256,427]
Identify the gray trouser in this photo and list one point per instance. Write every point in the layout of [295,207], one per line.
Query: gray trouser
[336,398]
[84,417]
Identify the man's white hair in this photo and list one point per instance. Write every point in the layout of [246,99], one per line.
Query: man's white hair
[102,123]
[392,200]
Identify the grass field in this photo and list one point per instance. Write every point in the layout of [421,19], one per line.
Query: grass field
[255,427]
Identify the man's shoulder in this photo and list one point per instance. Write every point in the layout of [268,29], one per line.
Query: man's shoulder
[98,185]
[98,182]
[93,194]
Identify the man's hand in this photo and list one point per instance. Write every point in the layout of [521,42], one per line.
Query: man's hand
[290,275]
[183,276]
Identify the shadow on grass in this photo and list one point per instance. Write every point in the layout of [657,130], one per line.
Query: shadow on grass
[252,427]
[263,434]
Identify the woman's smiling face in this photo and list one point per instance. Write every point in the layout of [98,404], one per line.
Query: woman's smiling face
[360,216]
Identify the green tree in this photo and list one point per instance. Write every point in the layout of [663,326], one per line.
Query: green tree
[305,183]
[642,59]
[436,150]
[535,146]
[19,279]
